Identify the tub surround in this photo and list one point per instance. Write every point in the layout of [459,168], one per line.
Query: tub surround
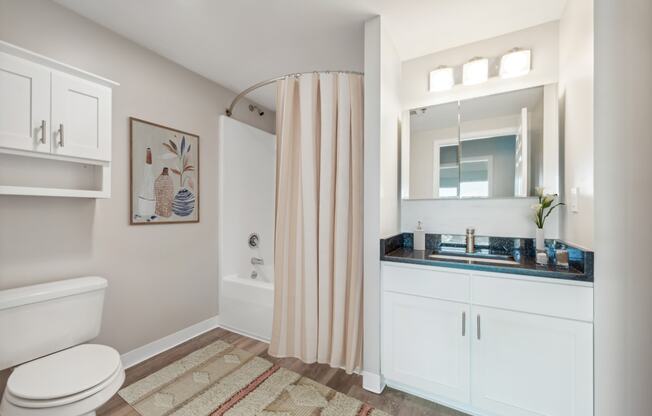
[399,248]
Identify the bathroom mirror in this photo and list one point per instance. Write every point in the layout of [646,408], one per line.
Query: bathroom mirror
[497,146]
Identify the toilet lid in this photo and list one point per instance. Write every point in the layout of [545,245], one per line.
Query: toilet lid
[64,373]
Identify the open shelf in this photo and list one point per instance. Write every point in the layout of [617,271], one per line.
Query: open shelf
[69,193]
[37,176]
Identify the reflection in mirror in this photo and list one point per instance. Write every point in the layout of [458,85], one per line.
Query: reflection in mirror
[501,144]
[434,171]
[487,147]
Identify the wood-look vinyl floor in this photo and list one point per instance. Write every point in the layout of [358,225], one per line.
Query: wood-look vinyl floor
[391,401]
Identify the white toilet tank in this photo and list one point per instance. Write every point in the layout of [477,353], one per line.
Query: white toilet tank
[41,319]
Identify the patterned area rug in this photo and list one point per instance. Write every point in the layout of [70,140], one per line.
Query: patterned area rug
[220,379]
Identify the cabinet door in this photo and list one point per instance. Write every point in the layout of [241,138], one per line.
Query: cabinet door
[426,345]
[24,105]
[81,118]
[527,365]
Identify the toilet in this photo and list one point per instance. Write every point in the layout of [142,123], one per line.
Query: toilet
[44,329]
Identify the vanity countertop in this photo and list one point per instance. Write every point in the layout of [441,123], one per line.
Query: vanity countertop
[399,248]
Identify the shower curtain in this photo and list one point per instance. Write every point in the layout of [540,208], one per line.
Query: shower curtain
[318,242]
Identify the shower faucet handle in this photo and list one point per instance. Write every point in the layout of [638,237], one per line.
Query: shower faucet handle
[256,261]
[253,240]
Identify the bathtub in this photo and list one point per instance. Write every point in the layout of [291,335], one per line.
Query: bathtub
[247,305]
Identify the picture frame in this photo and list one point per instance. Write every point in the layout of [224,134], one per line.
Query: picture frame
[163,174]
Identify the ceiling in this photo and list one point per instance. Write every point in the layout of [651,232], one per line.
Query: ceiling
[241,42]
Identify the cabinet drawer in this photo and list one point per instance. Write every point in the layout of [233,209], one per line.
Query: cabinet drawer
[559,300]
[426,281]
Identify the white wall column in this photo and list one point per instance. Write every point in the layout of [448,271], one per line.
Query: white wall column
[623,219]
[382,68]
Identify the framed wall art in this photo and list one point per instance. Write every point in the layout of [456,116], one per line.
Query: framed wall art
[164,174]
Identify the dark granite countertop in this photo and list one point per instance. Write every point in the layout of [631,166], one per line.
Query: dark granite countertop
[399,248]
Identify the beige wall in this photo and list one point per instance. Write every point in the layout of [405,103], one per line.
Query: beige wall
[162,278]
[576,118]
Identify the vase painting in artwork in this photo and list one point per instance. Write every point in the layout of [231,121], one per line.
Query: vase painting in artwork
[173,155]
[184,200]
[146,202]
[164,190]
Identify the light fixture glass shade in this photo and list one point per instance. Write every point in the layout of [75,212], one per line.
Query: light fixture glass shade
[515,63]
[441,79]
[476,71]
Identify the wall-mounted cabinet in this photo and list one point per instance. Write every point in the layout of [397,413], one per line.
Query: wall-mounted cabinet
[486,343]
[53,118]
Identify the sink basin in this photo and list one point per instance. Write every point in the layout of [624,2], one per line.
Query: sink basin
[471,258]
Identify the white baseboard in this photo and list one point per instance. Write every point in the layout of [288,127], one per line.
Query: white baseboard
[373,382]
[140,354]
[245,333]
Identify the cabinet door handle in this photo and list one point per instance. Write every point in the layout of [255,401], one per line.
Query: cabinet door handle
[478,326]
[43,129]
[463,324]
[60,135]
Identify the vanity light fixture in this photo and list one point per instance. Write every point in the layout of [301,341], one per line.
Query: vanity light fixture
[476,71]
[515,63]
[441,79]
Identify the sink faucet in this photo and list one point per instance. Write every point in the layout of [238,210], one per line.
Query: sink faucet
[256,260]
[470,240]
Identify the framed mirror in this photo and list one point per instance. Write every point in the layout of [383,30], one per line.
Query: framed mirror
[497,146]
[434,141]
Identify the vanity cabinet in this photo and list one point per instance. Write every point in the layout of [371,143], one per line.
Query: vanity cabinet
[530,365]
[488,343]
[427,344]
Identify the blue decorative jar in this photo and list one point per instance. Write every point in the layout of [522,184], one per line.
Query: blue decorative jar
[183,203]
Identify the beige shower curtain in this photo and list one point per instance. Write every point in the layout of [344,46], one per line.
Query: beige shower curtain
[318,243]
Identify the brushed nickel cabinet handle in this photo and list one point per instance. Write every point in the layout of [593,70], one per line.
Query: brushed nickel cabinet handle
[43,129]
[60,135]
[478,326]
[463,324]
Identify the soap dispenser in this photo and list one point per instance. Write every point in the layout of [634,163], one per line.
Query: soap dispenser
[419,237]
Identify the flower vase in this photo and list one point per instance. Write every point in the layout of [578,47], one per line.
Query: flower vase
[540,240]
[541,253]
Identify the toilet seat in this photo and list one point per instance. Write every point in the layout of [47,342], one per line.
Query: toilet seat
[66,373]
[69,382]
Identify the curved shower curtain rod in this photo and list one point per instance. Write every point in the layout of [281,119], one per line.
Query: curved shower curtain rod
[229,111]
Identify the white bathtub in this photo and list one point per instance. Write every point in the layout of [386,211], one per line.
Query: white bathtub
[247,305]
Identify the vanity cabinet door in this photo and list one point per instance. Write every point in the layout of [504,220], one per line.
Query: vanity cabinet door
[426,345]
[527,365]
[81,118]
[24,105]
